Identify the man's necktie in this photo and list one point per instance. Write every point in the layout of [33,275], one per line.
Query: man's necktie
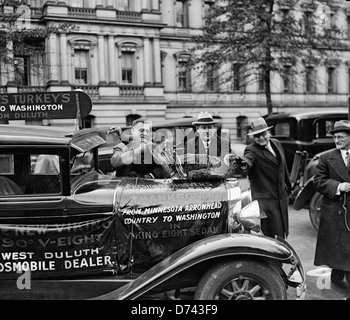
[347,158]
[269,147]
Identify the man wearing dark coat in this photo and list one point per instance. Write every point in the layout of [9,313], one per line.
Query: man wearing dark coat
[264,161]
[332,180]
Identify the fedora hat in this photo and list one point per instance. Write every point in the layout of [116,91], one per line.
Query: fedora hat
[341,125]
[258,125]
[204,118]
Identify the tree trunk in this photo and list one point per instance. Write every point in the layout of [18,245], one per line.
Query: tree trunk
[268,80]
[268,91]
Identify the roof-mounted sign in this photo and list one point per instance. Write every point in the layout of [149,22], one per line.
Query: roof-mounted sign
[45,105]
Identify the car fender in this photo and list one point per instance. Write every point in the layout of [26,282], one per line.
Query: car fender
[303,197]
[202,250]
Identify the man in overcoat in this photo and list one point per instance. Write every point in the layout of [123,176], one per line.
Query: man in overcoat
[264,161]
[332,180]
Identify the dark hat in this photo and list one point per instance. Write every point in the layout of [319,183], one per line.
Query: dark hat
[341,125]
[204,118]
[258,125]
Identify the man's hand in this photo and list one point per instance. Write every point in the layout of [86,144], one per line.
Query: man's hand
[235,161]
[344,187]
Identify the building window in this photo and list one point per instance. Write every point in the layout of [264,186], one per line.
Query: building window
[78,3]
[287,79]
[131,118]
[285,13]
[261,79]
[183,76]
[310,80]
[332,88]
[238,77]
[242,126]
[21,68]
[81,66]
[181,14]
[211,77]
[125,5]
[308,21]
[128,67]
[208,7]
[89,121]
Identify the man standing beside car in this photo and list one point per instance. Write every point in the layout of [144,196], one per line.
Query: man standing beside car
[264,161]
[332,180]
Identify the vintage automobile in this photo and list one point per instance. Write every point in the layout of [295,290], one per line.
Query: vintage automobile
[304,136]
[70,231]
[308,197]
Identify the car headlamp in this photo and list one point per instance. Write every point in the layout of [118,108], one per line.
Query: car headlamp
[250,216]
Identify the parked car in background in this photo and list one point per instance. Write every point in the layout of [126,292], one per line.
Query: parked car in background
[304,131]
[304,136]
[77,233]
[307,196]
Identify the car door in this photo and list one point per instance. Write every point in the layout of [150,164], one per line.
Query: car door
[32,184]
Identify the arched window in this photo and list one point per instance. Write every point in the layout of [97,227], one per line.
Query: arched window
[130,118]
[89,121]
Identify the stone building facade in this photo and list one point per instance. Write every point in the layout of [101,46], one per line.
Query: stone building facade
[128,55]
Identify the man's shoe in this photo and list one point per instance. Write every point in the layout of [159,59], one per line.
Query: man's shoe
[338,277]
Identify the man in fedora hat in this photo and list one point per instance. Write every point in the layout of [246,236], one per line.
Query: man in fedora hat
[207,146]
[332,180]
[264,161]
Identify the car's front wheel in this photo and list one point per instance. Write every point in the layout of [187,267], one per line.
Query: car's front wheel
[315,209]
[241,280]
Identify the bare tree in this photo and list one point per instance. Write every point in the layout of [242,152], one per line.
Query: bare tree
[260,37]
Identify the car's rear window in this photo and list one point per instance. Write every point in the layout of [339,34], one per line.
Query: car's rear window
[282,129]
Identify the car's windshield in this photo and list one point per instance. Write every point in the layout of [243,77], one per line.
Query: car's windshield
[82,162]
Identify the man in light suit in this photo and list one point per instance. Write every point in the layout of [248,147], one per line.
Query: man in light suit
[332,180]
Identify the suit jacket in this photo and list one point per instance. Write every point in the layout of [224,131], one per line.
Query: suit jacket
[141,167]
[270,185]
[333,238]
[218,147]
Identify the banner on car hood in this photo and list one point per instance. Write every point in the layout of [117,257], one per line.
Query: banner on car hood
[160,217]
[152,219]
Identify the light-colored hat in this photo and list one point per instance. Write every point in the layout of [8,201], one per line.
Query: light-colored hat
[341,125]
[258,125]
[204,118]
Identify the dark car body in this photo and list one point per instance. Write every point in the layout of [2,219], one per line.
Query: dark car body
[307,196]
[69,231]
[305,131]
